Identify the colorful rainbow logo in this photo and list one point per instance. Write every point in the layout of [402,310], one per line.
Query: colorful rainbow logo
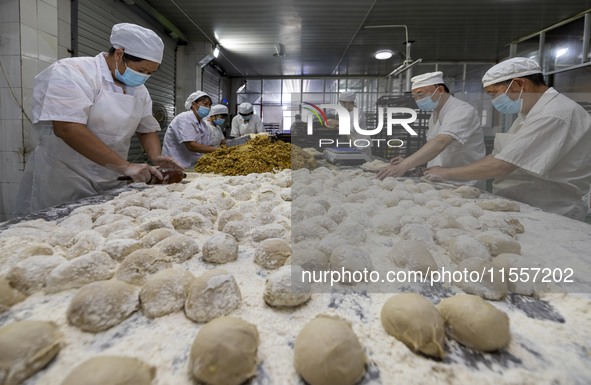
[317,111]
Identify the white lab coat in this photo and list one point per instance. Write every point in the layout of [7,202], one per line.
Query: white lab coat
[240,127]
[185,128]
[216,135]
[459,120]
[551,145]
[79,90]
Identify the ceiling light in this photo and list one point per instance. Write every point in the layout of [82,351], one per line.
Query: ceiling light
[216,51]
[383,54]
[560,52]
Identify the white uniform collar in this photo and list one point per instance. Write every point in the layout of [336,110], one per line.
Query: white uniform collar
[107,76]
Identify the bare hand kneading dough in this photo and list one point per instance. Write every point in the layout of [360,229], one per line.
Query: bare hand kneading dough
[225,352]
[25,348]
[111,370]
[475,323]
[327,352]
[416,322]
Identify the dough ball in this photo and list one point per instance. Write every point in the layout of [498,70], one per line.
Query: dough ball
[524,287]
[272,253]
[229,216]
[303,231]
[309,259]
[118,249]
[444,236]
[468,223]
[84,242]
[350,258]
[133,211]
[337,214]
[132,233]
[468,192]
[165,292]
[498,205]
[29,275]
[327,352]
[475,323]
[502,222]
[101,305]
[473,209]
[90,267]
[442,221]
[418,232]
[282,290]
[499,243]
[155,236]
[213,294]
[108,218]
[285,194]
[190,221]
[141,263]
[486,281]
[412,255]
[237,229]
[8,295]
[385,224]
[109,228]
[352,231]
[111,370]
[224,352]
[180,247]
[208,210]
[464,247]
[27,347]
[261,233]
[416,322]
[220,248]
[77,222]
[150,224]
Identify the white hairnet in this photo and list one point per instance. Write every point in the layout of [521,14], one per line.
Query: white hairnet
[428,79]
[245,108]
[218,109]
[137,41]
[194,96]
[347,96]
[510,69]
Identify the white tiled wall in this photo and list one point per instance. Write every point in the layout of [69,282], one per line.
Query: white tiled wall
[33,34]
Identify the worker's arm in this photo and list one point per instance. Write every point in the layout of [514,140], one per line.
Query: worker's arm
[488,167]
[428,152]
[151,144]
[85,142]
[198,147]
[235,128]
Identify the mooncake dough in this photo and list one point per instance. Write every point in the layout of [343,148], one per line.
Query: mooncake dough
[8,295]
[412,255]
[283,291]
[211,295]
[327,352]
[87,268]
[475,323]
[29,275]
[111,370]
[165,292]
[416,322]
[101,305]
[25,348]
[272,253]
[224,352]
[220,248]
[180,247]
[140,264]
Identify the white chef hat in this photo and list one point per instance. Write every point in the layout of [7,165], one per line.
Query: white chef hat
[245,108]
[194,96]
[510,69]
[137,41]
[428,79]
[347,96]
[218,109]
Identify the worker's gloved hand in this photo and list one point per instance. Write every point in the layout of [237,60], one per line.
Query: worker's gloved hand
[166,162]
[142,172]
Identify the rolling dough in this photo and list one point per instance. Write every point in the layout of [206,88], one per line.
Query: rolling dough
[412,255]
[141,263]
[280,290]
[26,347]
[416,322]
[94,266]
[225,352]
[111,370]
[101,305]
[165,292]
[272,253]
[180,247]
[327,352]
[475,323]
[8,295]
[211,295]
[220,248]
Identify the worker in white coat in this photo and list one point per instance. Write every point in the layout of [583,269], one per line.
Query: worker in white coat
[188,137]
[215,122]
[359,141]
[454,138]
[246,122]
[545,158]
[86,109]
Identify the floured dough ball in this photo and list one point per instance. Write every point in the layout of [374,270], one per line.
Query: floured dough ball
[498,205]
[25,348]
[418,232]
[118,249]
[191,221]
[468,192]
[499,243]
[165,292]
[412,255]
[224,352]
[309,259]
[442,221]
[526,286]
[327,352]
[132,233]
[101,305]
[443,236]
[180,247]
[110,228]
[261,233]
[237,229]
[108,219]
[229,216]
[282,290]
[475,323]
[385,224]
[140,264]
[155,236]
[337,214]
[133,211]
[107,370]
[352,259]
[29,275]
[464,247]
[213,294]
[220,248]
[416,322]
[502,222]
[94,266]
[8,295]
[483,279]
[77,222]
[85,241]
[272,253]
[150,224]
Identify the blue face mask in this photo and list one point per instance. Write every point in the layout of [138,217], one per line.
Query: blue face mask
[246,118]
[130,77]
[219,122]
[203,112]
[426,103]
[505,105]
